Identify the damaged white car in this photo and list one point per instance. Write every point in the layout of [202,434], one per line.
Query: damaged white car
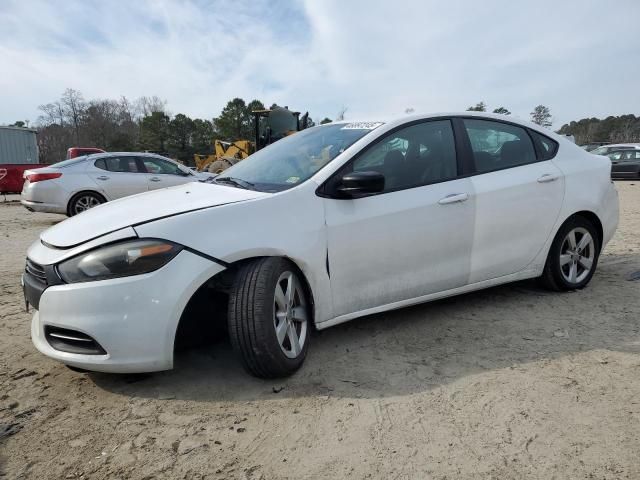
[329,224]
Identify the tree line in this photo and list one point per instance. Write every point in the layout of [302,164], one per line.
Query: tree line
[620,129]
[143,124]
[613,129]
[540,115]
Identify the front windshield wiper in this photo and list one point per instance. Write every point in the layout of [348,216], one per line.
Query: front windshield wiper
[238,182]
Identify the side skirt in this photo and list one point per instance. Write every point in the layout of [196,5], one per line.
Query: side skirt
[514,277]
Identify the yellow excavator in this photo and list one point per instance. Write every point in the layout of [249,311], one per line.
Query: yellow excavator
[269,126]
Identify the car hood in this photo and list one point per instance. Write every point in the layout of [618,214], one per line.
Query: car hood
[142,208]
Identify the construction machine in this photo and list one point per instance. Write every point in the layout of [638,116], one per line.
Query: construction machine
[269,126]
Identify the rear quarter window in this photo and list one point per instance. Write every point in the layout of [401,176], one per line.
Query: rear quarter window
[547,147]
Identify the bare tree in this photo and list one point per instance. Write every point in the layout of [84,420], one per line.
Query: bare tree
[73,106]
[341,113]
[147,105]
[409,110]
[52,114]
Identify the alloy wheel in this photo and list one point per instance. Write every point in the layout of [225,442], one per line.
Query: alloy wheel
[84,203]
[577,255]
[290,314]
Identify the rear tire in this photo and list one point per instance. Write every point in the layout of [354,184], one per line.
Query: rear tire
[84,201]
[573,256]
[269,317]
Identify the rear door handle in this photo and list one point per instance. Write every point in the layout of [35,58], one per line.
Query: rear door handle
[547,177]
[454,198]
[103,177]
[155,179]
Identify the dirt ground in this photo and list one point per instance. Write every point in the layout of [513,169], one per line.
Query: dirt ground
[511,382]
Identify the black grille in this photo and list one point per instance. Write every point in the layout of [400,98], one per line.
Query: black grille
[72,341]
[36,270]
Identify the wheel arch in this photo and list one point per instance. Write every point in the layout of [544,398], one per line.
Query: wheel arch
[80,192]
[215,290]
[594,219]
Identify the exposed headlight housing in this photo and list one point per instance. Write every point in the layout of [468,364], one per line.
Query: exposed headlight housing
[123,259]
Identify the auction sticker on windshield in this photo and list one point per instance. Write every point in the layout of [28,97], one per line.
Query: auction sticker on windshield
[361,126]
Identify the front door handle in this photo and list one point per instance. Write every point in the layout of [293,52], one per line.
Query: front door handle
[103,177]
[547,177]
[155,179]
[454,198]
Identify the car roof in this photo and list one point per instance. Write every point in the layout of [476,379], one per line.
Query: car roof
[624,145]
[392,122]
[118,154]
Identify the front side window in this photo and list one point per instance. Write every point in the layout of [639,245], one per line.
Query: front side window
[296,158]
[416,155]
[614,155]
[158,166]
[118,164]
[499,145]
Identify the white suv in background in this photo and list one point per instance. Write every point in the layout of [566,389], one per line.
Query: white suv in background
[75,185]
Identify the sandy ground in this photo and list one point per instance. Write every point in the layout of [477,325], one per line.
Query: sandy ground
[511,382]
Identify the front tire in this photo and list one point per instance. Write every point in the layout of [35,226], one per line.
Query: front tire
[84,201]
[573,256]
[269,317]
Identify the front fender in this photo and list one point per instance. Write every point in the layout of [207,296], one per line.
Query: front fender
[287,224]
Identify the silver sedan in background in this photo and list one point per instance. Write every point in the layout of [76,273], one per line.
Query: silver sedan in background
[73,186]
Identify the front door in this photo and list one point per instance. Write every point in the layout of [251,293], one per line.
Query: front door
[163,173]
[412,239]
[117,176]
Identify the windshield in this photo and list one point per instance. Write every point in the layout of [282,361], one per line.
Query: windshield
[600,151]
[294,159]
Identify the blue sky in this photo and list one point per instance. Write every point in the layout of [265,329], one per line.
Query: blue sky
[579,57]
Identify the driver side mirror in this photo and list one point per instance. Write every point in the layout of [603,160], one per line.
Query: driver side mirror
[359,183]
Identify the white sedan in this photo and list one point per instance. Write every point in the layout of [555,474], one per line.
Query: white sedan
[332,223]
[73,186]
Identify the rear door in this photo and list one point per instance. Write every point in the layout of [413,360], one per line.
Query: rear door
[519,193]
[117,176]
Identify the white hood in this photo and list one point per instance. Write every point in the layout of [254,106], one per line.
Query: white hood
[142,208]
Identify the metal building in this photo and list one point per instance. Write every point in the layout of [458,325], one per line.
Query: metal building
[18,145]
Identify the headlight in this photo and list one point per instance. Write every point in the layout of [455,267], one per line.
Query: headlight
[118,260]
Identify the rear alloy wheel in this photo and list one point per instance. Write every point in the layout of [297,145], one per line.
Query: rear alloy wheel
[573,256]
[84,201]
[269,317]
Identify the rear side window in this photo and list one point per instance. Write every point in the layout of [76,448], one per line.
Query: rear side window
[118,164]
[547,147]
[498,145]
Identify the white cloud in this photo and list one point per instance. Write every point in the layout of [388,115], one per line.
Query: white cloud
[581,58]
